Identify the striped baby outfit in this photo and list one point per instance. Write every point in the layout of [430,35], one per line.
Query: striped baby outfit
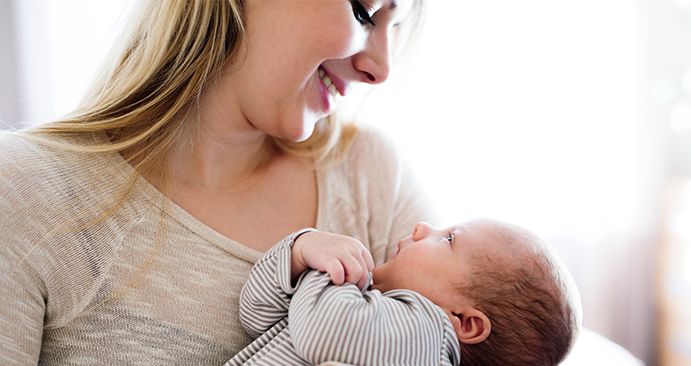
[316,321]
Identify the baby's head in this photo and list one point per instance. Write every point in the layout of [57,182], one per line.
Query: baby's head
[509,297]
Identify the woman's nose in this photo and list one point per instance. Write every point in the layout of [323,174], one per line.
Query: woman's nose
[421,230]
[374,62]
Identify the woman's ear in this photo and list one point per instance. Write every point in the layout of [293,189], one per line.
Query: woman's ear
[472,326]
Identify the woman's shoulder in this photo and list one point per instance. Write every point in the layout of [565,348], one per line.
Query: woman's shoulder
[20,153]
[37,173]
[372,139]
[13,145]
[372,148]
[25,155]
[47,189]
[24,162]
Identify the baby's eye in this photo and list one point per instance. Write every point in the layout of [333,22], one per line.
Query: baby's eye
[450,238]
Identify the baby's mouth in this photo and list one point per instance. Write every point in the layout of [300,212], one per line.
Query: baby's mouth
[398,249]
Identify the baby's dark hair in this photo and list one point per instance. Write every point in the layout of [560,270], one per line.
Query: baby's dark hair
[529,300]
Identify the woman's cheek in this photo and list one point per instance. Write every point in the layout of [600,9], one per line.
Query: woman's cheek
[343,39]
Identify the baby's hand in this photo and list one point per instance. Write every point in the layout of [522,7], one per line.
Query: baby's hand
[344,258]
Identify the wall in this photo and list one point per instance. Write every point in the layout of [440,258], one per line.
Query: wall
[9,108]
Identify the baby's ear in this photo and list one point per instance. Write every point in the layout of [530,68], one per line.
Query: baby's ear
[472,326]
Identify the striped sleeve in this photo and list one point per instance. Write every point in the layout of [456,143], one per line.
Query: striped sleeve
[451,352]
[265,297]
[329,322]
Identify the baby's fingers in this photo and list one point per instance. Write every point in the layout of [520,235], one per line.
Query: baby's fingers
[367,265]
[364,280]
[367,258]
[335,270]
[354,269]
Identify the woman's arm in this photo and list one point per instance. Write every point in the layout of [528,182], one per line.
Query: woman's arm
[23,291]
[22,308]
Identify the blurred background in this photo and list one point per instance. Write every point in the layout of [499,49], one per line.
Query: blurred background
[572,118]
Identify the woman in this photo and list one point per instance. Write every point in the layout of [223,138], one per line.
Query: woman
[129,228]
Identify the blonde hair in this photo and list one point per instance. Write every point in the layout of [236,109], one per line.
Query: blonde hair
[173,51]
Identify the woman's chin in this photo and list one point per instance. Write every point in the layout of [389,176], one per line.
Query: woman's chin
[300,133]
[302,137]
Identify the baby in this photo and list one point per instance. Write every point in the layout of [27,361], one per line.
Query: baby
[478,293]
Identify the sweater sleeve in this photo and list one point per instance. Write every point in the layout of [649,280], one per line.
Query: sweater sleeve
[265,298]
[23,293]
[22,308]
[50,264]
[341,323]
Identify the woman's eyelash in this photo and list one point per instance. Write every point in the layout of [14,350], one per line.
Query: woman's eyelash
[360,13]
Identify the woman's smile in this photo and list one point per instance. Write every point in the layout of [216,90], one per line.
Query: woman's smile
[329,91]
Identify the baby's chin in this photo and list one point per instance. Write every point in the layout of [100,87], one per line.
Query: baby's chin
[380,279]
[379,287]
[377,279]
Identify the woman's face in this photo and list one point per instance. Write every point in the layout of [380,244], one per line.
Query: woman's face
[301,56]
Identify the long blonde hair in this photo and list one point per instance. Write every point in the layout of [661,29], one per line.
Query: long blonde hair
[173,51]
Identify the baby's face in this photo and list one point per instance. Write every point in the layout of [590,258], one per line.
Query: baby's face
[433,262]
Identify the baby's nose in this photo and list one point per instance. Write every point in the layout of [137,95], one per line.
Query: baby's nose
[421,230]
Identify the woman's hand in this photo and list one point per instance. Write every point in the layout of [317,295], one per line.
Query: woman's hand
[344,258]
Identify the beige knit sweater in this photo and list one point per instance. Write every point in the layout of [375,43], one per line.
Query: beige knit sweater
[123,291]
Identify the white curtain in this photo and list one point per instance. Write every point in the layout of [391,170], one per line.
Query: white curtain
[550,114]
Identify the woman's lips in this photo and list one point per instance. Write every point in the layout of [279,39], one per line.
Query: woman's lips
[328,90]
[340,87]
[325,97]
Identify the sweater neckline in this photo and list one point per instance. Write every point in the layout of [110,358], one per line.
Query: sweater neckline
[123,168]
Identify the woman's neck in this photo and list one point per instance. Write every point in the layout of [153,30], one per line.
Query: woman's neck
[211,161]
